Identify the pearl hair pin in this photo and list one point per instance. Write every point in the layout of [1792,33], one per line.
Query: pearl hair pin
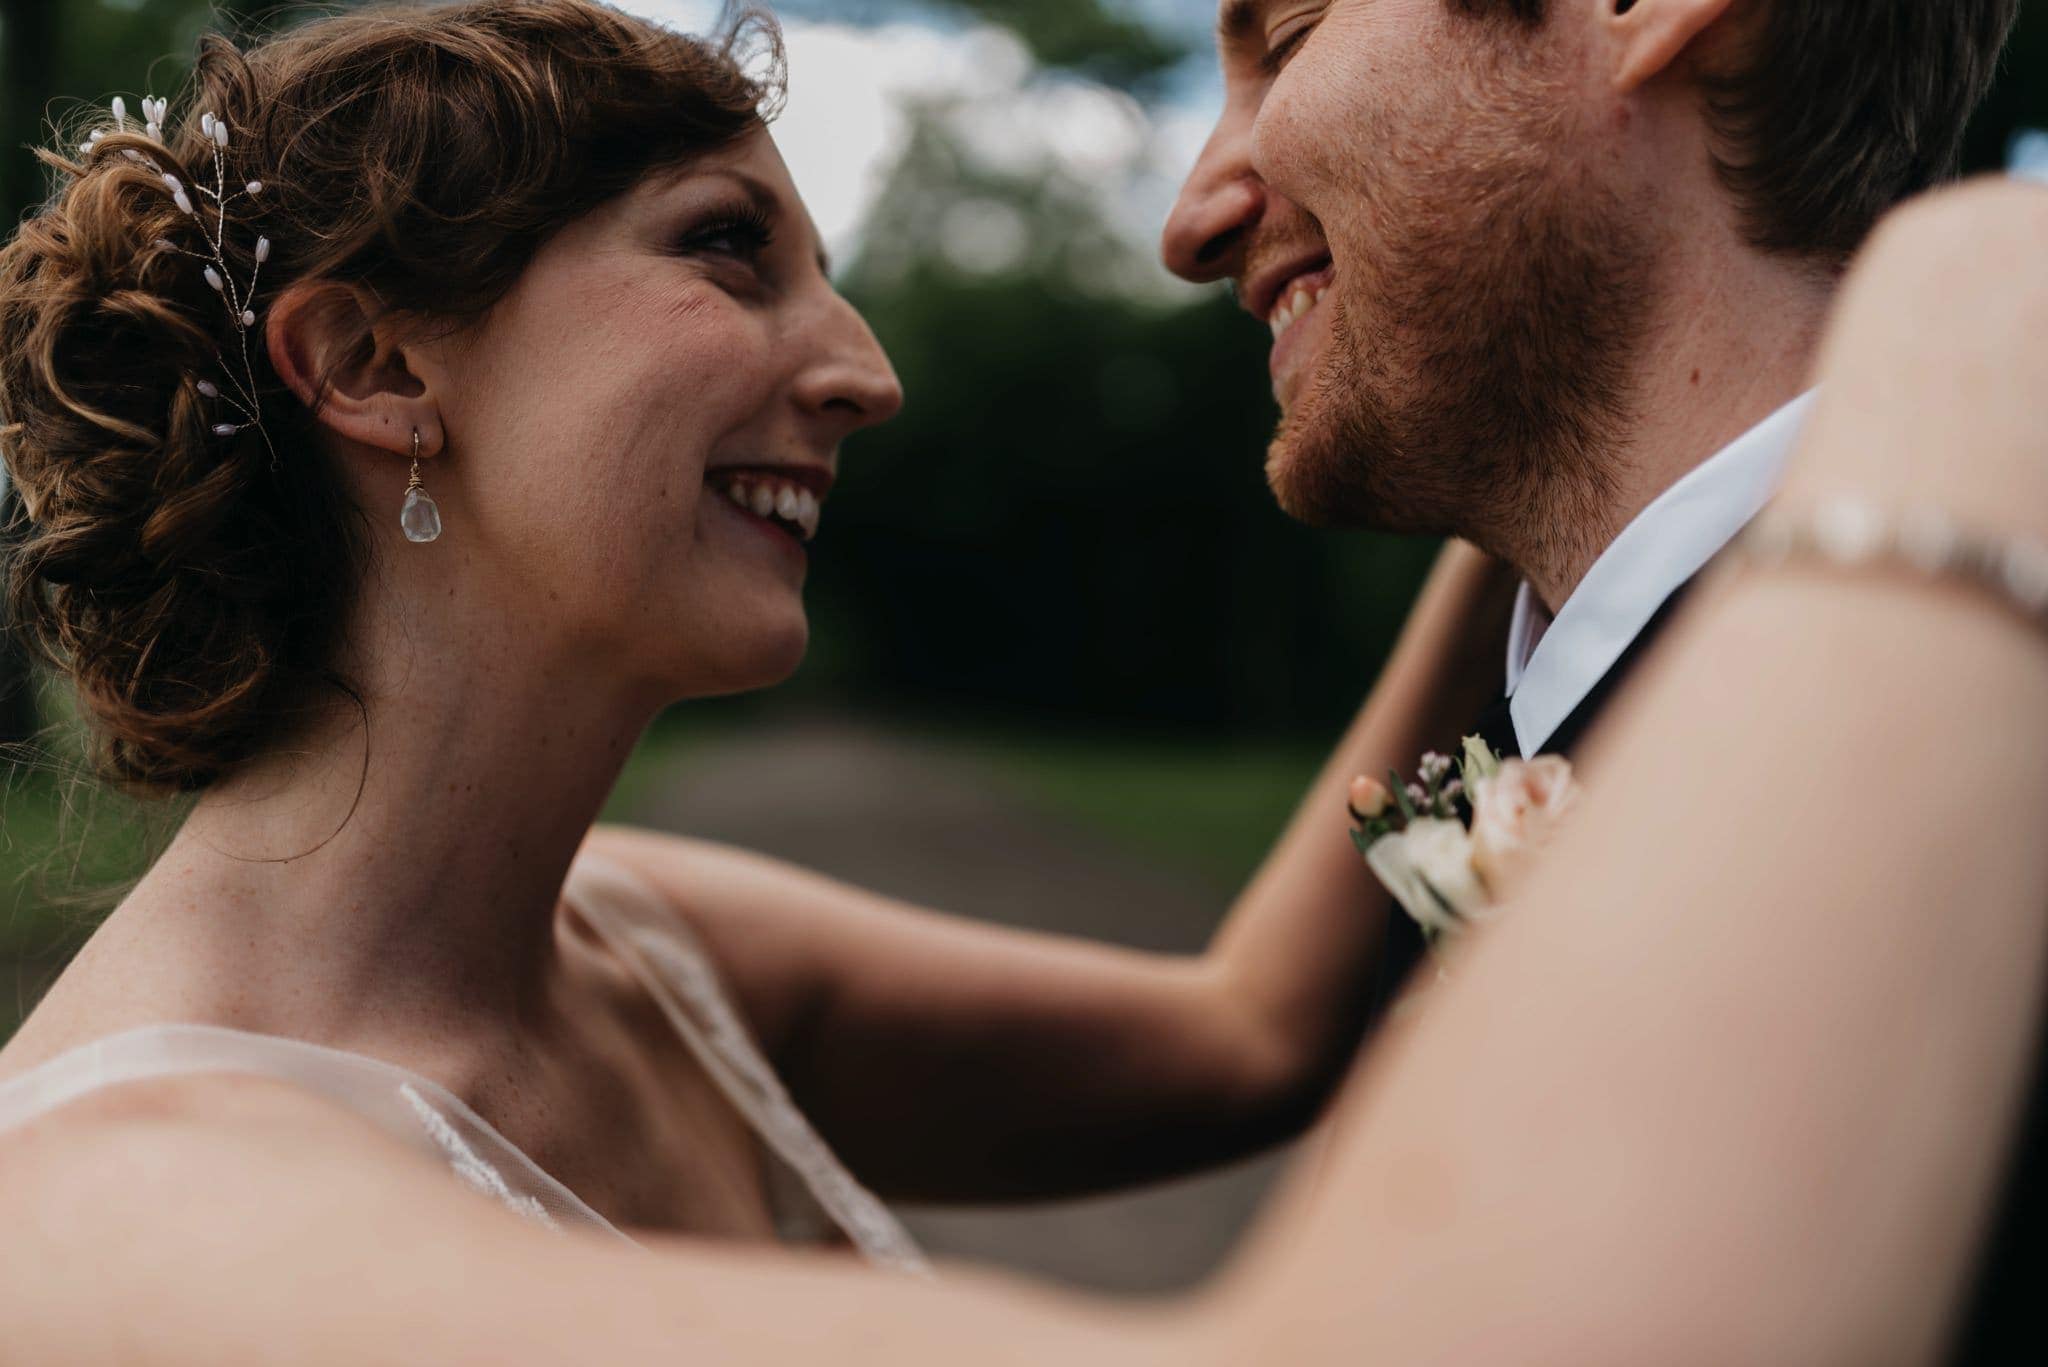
[238,299]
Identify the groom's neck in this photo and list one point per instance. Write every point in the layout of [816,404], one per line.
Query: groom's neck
[1730,340]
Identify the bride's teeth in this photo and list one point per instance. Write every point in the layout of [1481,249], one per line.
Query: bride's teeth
[762,500]
[807,512]
[737,492]
[786,503]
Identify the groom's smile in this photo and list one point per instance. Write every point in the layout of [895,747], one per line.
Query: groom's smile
[1287,296]
[1434,207]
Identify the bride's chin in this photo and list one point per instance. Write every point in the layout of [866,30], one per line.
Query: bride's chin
[764,660]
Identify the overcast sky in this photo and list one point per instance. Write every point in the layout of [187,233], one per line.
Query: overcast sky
[844,128]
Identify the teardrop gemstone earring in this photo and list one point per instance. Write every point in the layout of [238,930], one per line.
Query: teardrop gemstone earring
[420,517]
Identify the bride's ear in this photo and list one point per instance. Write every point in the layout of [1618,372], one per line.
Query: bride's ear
[350,362]
[1650,36]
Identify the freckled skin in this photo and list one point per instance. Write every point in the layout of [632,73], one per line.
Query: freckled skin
[1487,279]
[582,480]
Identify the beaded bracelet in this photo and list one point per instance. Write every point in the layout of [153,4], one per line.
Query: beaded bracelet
[1851,534]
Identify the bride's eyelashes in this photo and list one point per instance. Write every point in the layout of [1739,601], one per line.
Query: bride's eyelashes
[741,232]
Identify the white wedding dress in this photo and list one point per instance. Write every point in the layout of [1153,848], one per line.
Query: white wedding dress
[810,1190]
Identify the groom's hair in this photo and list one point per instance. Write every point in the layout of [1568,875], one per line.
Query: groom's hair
[1841,109]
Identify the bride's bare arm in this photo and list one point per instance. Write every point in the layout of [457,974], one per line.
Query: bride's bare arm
[1734,1080]
[239,1222]
[1739,1077]
[1033,1065]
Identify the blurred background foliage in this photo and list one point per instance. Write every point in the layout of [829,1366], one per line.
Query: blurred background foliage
[1067,531]
[1068,520]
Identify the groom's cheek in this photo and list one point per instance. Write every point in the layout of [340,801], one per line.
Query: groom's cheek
[1307,122]
[1283,138]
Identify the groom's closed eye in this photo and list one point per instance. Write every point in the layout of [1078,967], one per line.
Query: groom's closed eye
[1281,46]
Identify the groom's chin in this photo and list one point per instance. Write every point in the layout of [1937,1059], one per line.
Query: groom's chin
[1306,476]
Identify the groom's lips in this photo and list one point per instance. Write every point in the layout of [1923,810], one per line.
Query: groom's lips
[1263,291]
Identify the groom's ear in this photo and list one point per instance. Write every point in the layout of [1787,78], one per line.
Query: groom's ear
[1650,36]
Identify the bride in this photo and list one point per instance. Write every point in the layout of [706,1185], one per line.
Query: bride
[1673,1106]
[544,392]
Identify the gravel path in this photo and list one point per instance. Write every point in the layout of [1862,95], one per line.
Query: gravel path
[923,820]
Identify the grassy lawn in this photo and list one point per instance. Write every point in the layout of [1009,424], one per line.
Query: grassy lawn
[1213,810]
[67,850]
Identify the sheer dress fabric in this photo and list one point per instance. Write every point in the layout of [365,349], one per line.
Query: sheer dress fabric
[812,1194]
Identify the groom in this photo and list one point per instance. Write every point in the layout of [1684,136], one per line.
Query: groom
[1548,275]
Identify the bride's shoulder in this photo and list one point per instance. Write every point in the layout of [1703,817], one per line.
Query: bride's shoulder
[155,1130]
[207,1217]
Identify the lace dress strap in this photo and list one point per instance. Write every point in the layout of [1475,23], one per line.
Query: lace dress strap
[645,929]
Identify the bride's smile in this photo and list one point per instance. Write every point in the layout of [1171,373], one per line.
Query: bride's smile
[649,425]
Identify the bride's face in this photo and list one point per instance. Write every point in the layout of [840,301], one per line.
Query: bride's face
[671,356]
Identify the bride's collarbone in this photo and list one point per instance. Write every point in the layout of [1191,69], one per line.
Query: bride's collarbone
[629,1119]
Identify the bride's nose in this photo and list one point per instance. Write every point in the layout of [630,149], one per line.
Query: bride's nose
[849,380]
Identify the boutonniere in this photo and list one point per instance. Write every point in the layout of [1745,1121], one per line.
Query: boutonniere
[1450,846]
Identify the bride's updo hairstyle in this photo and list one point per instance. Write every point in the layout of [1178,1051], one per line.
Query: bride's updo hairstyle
[194,594]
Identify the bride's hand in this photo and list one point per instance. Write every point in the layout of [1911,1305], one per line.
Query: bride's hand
[1943,289]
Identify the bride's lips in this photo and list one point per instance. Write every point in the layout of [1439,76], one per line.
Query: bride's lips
[780,501]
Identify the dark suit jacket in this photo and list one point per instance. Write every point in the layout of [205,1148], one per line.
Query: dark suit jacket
[2006,1317]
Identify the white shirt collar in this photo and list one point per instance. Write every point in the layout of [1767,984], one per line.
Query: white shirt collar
[1554,664]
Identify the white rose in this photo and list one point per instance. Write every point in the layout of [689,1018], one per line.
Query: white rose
[1428,869]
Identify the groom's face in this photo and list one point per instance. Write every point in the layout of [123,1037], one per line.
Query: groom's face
[1419,204]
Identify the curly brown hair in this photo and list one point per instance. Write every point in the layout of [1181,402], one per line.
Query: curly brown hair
[193,594]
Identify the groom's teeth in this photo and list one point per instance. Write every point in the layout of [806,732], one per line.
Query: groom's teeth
[1292,309]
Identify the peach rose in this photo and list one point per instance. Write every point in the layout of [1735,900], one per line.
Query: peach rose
[1514,815]
[1369,798]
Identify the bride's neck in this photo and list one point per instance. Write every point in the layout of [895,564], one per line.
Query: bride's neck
[405,857]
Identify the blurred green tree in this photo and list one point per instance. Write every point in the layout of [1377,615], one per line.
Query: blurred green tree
[1100,39]
[1069,516]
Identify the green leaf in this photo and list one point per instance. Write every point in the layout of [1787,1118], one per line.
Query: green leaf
[1400,792]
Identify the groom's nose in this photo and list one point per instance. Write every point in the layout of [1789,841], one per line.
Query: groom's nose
[1220,202]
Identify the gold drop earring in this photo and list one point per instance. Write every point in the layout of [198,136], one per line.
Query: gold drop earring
[420,517]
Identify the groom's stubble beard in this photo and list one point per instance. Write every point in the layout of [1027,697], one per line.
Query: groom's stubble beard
[1481,343]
